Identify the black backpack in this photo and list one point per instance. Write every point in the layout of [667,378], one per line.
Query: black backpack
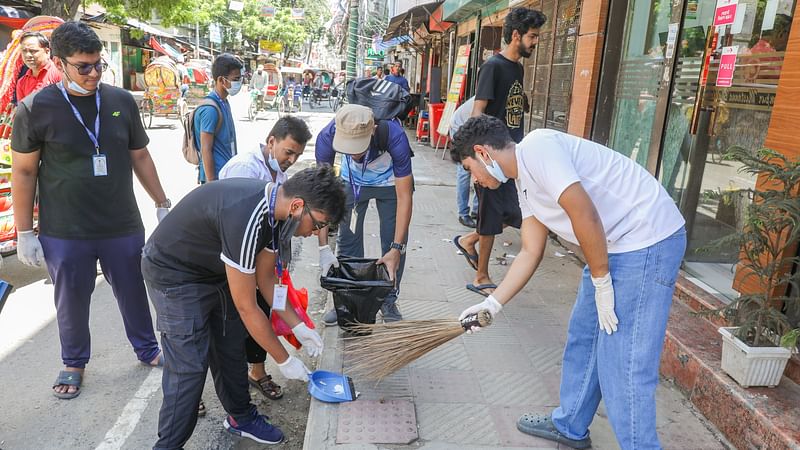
[387,100]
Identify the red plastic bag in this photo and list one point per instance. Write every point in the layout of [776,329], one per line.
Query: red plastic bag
[297,299]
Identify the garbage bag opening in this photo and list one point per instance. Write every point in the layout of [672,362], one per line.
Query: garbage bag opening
[359,286]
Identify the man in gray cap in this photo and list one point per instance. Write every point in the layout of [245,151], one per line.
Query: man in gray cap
[376,164]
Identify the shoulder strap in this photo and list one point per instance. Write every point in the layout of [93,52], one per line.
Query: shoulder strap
[209,102]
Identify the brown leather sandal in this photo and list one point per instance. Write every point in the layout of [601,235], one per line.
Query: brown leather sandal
[267,387]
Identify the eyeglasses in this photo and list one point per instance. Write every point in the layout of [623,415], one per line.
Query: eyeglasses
[86,69]
[317,224]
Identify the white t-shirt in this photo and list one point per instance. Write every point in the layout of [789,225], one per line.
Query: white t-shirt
[250,165]
[635,210]
[461,115]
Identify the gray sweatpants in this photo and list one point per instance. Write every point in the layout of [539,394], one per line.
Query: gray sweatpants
[200,328]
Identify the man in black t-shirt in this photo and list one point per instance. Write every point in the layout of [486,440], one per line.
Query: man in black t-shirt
[500,94]
[81,143]
[202,265]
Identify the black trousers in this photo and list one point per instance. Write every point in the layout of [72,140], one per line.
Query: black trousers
[200,329]
[256,354]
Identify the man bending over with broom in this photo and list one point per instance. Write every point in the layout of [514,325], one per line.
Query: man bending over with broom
[633,238]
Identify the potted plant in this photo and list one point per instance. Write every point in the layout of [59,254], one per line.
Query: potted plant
[760,341]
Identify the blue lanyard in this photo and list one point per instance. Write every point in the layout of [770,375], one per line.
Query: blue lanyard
[225,109]
[92,136]
[356,189]
[273,224]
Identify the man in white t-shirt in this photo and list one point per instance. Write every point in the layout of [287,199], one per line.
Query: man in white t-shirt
[284,146]
[633,239]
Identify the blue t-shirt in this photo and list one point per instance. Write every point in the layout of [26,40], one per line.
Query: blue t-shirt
[380,169]
[224,141]
[399,79]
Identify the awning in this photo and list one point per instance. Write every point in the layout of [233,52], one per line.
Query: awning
[148,29]
[458,10]
[403,24]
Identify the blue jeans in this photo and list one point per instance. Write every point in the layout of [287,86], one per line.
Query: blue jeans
[621,368]
[352,244]
[462,192]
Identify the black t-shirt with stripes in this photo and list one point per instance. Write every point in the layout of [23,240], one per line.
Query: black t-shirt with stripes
[219,223]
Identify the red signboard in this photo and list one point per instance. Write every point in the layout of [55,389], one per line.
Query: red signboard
[725,13]
[726,65]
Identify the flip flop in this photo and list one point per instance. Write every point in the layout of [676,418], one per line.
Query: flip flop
[68,378]
[479,288]
[472,260]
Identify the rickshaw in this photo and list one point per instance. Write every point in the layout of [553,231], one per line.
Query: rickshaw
[270,97]
[292,91]
[162,95]
[197,80]
[11,63]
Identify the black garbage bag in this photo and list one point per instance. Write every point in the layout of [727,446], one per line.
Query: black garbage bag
[359,286]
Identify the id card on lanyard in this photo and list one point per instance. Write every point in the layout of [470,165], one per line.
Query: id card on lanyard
[280,290]
[356,188]
[99,161]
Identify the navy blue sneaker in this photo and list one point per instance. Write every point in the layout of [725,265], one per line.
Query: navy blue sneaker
[258,430]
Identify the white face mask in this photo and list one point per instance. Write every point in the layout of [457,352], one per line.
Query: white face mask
[495,170]
[236,86]
[73,86]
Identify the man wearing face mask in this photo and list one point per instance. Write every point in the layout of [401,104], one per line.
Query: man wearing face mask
[285,144]
[202,266]
[217,147]
[633,238]
[500,94]
[81,141]
[258,82]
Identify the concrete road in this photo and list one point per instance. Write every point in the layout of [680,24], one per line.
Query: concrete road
[118,407]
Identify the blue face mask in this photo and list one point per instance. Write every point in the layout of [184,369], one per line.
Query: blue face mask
[272,162]
[236,86]
[75,87]
[495,170]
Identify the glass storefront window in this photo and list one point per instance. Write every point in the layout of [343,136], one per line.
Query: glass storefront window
[639,79]
[706,187]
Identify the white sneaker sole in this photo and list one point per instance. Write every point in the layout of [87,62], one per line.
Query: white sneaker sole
[248,435]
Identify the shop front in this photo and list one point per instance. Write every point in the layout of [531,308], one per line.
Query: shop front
[694,79]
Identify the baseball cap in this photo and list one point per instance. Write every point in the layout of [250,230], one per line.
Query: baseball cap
[354,127]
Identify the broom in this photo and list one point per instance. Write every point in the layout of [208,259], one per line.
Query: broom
[378,350]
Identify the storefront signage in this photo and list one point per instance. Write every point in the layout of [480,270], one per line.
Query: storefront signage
[268,11]
[759,99]
[672,36]
[265,47]
[726,65]
[372,54]
[725,13]
[215,34]
[456,91]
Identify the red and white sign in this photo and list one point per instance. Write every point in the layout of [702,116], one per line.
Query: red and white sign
[725,13]
[727,63]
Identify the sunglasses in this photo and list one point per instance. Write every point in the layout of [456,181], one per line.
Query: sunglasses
[316,224]
[86,69]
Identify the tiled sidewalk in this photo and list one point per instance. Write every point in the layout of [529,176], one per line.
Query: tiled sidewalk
[470,392]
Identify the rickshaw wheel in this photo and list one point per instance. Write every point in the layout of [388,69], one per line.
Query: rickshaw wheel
[252,110]
[147,112]
[282,107]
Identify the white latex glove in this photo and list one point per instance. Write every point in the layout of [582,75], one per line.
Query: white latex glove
[327,259]
[310,339]
[29,249]
[294,369]
[161,213]
[604,300]
[490,304]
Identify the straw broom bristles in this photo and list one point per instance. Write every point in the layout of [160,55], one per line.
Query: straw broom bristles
[378,350]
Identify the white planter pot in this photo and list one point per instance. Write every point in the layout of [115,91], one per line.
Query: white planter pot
[752,366]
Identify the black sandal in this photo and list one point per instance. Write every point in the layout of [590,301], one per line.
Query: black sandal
[267,387]
[201,409]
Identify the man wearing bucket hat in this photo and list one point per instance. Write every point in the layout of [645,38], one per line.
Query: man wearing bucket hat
[371,170]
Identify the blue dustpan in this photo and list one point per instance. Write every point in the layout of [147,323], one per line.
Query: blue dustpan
[331,387]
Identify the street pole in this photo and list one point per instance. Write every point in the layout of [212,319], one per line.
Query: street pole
[352,40]
[196,40]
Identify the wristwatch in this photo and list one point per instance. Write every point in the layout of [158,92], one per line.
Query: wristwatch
[165,204]
[400,247]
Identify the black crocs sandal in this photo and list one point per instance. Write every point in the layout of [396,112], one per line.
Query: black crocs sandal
[543,427]
[201,409]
